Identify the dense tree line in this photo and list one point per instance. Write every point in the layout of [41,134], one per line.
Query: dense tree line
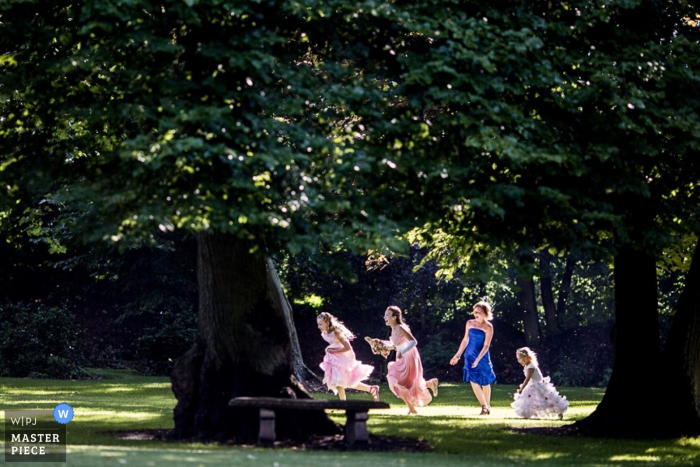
[138,309]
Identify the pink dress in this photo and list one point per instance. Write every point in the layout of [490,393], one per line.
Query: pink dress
[342,369]
[405,375]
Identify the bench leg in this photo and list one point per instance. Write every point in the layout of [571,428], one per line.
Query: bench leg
[356,427]
[266,435]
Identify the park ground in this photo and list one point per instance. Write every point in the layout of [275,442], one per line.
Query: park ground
[119,416]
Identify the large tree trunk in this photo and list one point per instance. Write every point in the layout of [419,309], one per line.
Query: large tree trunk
[243,348]
[682,357]
[635,404]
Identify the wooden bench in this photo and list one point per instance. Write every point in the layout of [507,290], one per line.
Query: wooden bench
[355,411]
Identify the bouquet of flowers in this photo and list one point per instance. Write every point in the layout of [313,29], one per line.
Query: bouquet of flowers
[379,347]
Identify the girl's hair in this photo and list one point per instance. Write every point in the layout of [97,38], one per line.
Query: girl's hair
[397,313]
[485,307]
[527,353]
[335,325]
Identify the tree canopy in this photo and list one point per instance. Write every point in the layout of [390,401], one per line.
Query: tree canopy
[294,121]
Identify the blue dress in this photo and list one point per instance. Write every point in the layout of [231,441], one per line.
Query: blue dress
[483,374]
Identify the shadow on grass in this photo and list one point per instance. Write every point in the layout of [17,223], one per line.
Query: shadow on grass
[314,443]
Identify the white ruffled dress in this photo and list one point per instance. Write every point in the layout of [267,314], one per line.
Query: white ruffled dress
[539,399]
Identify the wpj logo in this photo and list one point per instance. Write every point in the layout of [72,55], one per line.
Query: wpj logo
[63,413]
[37,435]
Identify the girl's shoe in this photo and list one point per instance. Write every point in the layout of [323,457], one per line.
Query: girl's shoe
[485,410]
[434,387]
[374,391]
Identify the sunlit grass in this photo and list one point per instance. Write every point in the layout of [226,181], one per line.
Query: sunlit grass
[123,401]
[118,417]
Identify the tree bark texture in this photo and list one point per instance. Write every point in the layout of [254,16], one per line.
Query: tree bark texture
[635,404]
[243,348]
[682,356]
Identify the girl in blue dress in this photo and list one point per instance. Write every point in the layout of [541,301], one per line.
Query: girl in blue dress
[478,369]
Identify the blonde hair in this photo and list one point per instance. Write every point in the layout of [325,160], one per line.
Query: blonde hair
[485,307]
[335,325]
[527,352]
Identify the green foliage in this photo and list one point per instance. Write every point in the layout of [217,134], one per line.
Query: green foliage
[210,122]
[349,124]
[592,296]
[151,296]
[435,351]
[115,298]
[157,348]
[312,300]
[38,341]
[569,373]
[544,162]
[353,123]
[580,357]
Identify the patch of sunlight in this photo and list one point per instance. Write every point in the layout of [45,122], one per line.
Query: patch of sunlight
[103,389]
[120,388]
[38,392]
[436,415]
[450,412]
[175,457]
[45,404]
[690,441]
[124,450]
[38,402]
[633,458]
[117,417]
[103,452]
[541,456]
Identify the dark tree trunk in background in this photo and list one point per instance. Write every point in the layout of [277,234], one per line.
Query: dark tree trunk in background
[528,305]
[682,356]
[565,285]
[635,404]
[243,348]
[550,312]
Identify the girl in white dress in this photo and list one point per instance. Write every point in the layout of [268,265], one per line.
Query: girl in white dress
[340,367]
[536,397]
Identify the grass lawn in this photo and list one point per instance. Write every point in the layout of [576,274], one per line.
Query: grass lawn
[451,424]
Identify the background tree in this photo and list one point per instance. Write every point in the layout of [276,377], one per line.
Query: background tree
[603,159]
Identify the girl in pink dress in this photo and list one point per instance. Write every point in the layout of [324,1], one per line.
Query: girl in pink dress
[405,375]
[340,367]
